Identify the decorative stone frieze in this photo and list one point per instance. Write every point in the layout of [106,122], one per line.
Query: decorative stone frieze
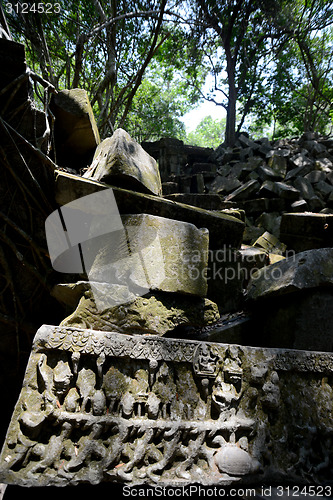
[100,406]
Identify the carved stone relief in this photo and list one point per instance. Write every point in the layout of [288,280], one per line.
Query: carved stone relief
[98,406]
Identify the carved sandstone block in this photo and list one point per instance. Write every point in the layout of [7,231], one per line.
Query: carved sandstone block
[99,406]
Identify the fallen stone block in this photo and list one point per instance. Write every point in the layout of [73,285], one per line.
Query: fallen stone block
[156,313]
[256,206]
[270,221]
[286,192]
[267,189]
[299,171]
[315,176]
[304,231]
[316,204]
[275,257]
[249,168]
[323,189]
[324,165]
[244,192]
[264,150]
[75,128]
[301,160]
[252,258]
[278,164]
[223,229]
[305,270]
[253,175]
[266,173]
[252,233]
[169,188]
[246,154]
[122,161]
[305,188]
[270,243]
[224,184]
[328,176]
[247,143]
[151,253]
[299,206]
[278,151]
[292,301]
[314,147]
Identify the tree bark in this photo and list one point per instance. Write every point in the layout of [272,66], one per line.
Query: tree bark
[230,130]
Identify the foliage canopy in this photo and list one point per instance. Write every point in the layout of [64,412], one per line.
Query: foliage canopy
[144,62]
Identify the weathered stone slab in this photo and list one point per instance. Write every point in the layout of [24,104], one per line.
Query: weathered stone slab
[266,173]
[278,164]
[170,187]
[323,188]
[270,221]
[224,184]
[309,269]
[305,188]
[156,313]
[245,191]
[120,159]
[223,229]
[305,230]
[99,406]
[76,132]
[152,253]
[315,176]
[299,206]
[247,143]
[301,320]
[301,160]
[258,205]
[268,189]
[286,192]
[208,201]
[324,165]
[270,243]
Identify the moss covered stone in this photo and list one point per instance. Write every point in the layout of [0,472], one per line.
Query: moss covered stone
[121,160]
[156,313]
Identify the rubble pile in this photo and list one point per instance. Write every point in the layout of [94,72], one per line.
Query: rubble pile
[265,179]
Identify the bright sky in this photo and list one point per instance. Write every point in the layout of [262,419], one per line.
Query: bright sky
[194,117]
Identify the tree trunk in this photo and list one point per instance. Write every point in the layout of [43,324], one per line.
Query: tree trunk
[230,130]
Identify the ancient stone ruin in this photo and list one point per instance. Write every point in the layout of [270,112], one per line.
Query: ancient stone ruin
[191,341]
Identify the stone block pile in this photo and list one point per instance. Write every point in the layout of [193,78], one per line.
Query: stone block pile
[265,179]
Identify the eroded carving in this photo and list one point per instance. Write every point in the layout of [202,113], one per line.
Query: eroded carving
[98,407]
